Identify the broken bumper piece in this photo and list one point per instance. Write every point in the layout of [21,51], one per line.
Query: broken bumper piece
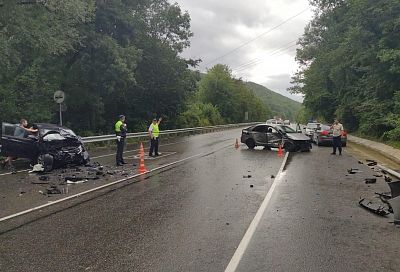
[373,207]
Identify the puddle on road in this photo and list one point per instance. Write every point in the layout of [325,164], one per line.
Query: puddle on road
[362,153]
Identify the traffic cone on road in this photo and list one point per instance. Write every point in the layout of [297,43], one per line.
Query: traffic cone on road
[142,167]
[237,144]
[280,151]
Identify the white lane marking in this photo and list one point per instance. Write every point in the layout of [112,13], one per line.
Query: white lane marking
[152,158]
[238,255]
[106,185]
[98,157]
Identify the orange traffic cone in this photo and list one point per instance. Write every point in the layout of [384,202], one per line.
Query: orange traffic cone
[280,151]
[142,167]
[237,144]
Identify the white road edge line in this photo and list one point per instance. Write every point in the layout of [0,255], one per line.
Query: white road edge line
[241,249]
[104,186]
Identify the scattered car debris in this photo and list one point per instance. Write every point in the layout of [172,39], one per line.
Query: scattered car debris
[386,195]
[44,178]
[76,181]
[21,193]
[37,168]
[378,175]
[373,207]
[388,179]
[251,185]
[395,204]
[353,171]
[53,190]
[247,176]
[370,180]
[272,176]
[394,188]
[372,163]
[360,162]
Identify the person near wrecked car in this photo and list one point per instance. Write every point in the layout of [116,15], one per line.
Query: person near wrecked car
[120,132]
[154,133]
[337,130]
[21,131]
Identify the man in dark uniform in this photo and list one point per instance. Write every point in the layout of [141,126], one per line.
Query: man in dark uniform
[120,132]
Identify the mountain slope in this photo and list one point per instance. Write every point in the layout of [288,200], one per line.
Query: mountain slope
[278,104]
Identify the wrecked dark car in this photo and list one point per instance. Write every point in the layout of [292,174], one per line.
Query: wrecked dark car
[271,136]
[52,146]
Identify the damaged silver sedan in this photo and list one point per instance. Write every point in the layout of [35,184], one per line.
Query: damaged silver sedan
[52,146]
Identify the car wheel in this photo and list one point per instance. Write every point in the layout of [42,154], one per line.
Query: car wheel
[47,161]
[250,143]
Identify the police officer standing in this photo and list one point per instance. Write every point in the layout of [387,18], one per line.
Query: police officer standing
[120,132]
[154,132]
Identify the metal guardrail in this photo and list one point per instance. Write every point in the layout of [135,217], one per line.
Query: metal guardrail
[103,138]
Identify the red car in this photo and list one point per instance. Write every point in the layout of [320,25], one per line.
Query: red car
[323,136]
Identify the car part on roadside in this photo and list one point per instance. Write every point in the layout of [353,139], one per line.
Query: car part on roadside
[373,207]
[395,204]
[79,178]
[371,163]
[37,168]
[378,175]
[394,188]
[384,197]
[248,176]
[388,179]
[79,181]
[353,171]
[53,190]
[370,180]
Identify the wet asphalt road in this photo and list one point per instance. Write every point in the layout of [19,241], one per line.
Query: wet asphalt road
[188,218]
[193,216]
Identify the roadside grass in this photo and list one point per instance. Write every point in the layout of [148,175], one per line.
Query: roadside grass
[395,144]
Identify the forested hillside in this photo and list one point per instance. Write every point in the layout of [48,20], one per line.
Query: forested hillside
[277,104]
[110,58]
[350,65]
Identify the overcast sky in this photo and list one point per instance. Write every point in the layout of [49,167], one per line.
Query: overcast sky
[268,58]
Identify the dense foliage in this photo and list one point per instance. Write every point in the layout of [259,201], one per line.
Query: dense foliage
[350,65]
[110,58]
[277,104]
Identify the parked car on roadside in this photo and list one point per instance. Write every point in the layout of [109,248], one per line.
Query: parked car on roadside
[52,146]
[311,128]
[271,136]
[323,136]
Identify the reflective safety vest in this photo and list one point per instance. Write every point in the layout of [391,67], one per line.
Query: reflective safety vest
[155,131]
[118,127]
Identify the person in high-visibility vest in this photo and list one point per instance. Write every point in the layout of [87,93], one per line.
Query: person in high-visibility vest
[154,132]
[120,132]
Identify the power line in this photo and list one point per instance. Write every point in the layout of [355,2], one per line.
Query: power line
[259,36]
[283,51]
[259,58]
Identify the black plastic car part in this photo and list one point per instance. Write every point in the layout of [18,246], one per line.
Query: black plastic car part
[373,207]
[395,204]
[394,188]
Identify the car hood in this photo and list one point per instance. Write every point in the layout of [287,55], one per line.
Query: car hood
[297,136]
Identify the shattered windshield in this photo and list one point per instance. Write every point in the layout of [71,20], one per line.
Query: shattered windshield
[287,129]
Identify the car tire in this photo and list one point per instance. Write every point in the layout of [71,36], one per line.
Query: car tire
[250,143]
[47,161]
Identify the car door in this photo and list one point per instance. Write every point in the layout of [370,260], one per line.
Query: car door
[17,146]
[274,138]
[260,134]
